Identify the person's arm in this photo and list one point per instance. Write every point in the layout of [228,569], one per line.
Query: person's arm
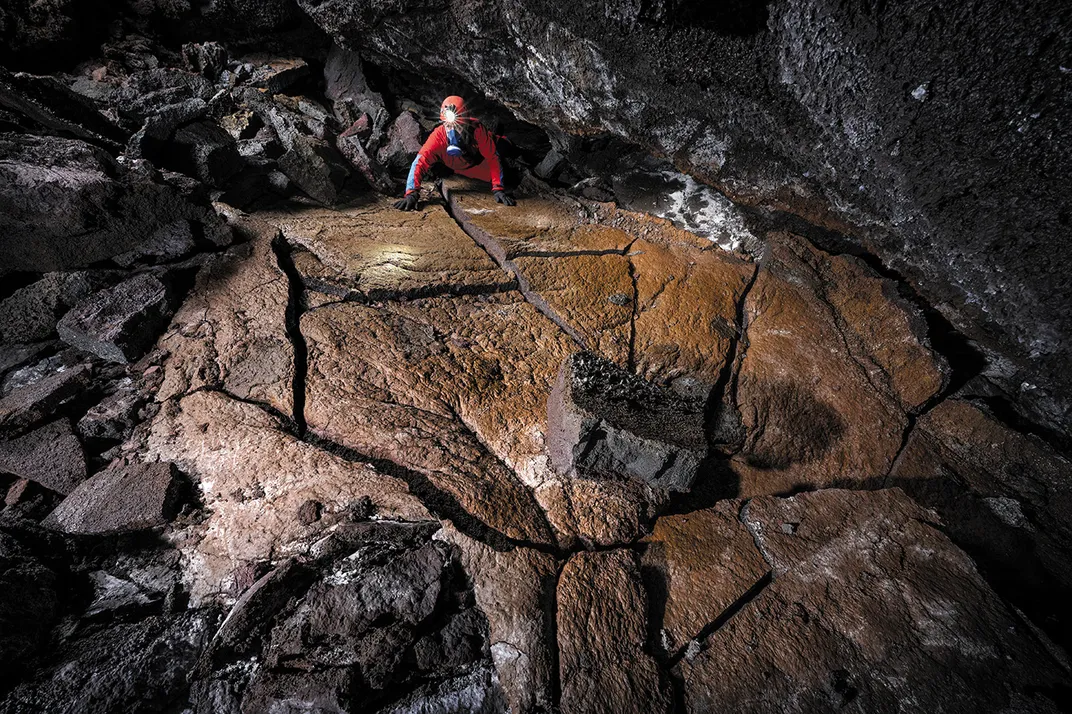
[485,142]
[432,150]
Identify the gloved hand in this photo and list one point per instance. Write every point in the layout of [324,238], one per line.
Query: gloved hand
[504,198]
[408,203]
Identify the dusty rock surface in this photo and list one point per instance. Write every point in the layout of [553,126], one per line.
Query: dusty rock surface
[943,640]
[123,497]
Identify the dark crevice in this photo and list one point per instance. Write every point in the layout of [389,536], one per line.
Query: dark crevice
[295,307]
[570,253]
[633,317]
[496,252]
[728,614]
[717,403]
[549,600]
[346,294]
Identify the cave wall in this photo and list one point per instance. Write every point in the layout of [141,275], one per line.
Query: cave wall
[934,132]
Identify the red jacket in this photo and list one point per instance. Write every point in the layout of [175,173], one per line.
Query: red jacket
[435,149]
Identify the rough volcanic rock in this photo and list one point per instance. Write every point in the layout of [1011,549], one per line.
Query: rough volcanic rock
[204,150]
[885,116]
[29,314]
[315,167]
[403,143]
[275,73]
[605,422]
[30,404]
[373,252]
[253,477]
[703,562]
[124,668]
[475,692]
[826,376]
[50,456]
[514,589]
[45,105]
[171,242]
[144,94]
[870,607]
[208,59]
[602,641]
[29,604]
[325,691]
[72,205]
[230,332]
[124,497]
[120,324]
[428,383]
[1004,496]
[375,174]
[600,513]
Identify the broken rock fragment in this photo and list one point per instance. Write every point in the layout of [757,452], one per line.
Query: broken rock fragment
[30,404]
[602,637]
[605,422]
[315,167]
[120,324]
[122,498]
[50,456]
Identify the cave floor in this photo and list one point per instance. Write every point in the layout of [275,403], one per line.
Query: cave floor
[400,364]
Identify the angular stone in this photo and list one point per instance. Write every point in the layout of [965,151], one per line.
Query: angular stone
[71,205]
[815,405]
[403,142]
[208,59]
[602,639]
[450,388]
[113,595]
[704,561]
[120,324]
[514,590]
[253,477]
[276,74]
[377,176]
[315,167]
[170,242]
[374,252]
[122,498]
[29,314]
[230,332]
[476,692]
[325,692]
[344,81]
[49,455]
[32,403]
[144,94]
[29,605]
[605,422]
[811,640]
[207,152]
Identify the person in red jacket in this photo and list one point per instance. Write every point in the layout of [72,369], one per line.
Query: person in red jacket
[462,144]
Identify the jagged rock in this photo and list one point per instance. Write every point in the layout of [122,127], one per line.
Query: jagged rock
[44,104]
[29,605]
[1004,496]
[203,149]
[373,252]
[208,59]
[167,243]
[114,417]
[315,167]
[231,330]
[513,589]
[344,81]
[144,94]
[603,663]
[35,402]
[550,166]
[14,356]
[605,422]
[276,74]
[703,562]
[242,125]
[46,367]
[327,691]
[253,477]
[870,606]
[120,324]
[112,595]
[72,205]
[475,692]
[428,384]
[600,513]
[29,314]
[403,143]
[123,668]
[350,145]
[153,140]
[123,497]
[827,376]
[50,456]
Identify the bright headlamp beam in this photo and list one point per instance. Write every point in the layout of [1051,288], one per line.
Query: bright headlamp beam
[449,116]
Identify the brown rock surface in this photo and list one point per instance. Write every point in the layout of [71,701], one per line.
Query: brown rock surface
[705,560]
[230,333]
[123,497]
[371,251]
[600,513]
[253,478]
[448,387]
[826,375]
[50,455]
[602,633]
[872,608]
[30,404]
[514,589]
